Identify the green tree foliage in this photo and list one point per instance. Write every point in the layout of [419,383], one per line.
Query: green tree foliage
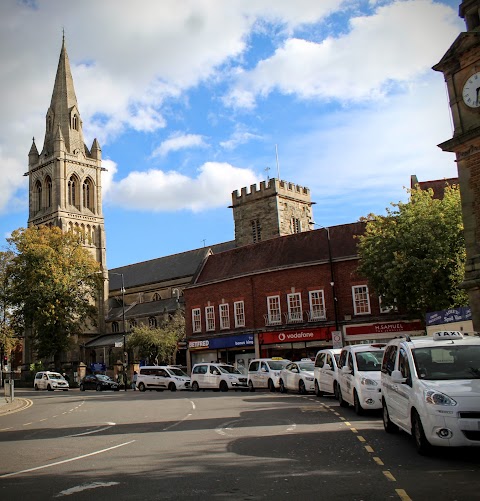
[8,340]
[414,256]
[52,287]
[159,345]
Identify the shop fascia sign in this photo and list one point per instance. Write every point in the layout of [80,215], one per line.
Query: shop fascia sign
[221,342]
[383,328]
[295,336]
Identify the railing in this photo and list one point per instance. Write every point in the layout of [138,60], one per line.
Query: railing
[272,319]
[293,318]
[316,315]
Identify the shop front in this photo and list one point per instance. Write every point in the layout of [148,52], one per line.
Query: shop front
[295,344]
[382,332]
[234,350]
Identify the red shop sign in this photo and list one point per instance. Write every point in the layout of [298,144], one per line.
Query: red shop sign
[295,336]
[383,328]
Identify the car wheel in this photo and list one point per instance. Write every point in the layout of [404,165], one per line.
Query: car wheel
[82,388]
[343,403]
[356,404]
[301,387]
[422,444]
[271,386]
[335,390]
[98,388]
[36,387]
[387,424]
[223,386]
[49,388]
[250,386]
[172,387]
[317,390]
[141,387]
[195,386]
[282,387]
[65,389]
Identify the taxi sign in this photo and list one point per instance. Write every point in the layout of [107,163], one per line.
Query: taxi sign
[276,358]
[440,335]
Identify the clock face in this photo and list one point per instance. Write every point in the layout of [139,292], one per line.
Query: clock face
[471,91]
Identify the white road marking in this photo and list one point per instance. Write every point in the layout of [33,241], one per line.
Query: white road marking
[193,404]
[90,432]
[84,487]
[177,423]
[64,461]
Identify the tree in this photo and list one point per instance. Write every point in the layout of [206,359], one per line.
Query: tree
[159,345]
[414,256]
[51,287]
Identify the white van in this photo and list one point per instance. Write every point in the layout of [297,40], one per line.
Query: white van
[162,377]
[326,371]
[359,376]
[431,389]
[49,380]
[265,372]
[219,376]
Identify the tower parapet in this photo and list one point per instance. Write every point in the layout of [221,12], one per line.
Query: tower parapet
[270,188]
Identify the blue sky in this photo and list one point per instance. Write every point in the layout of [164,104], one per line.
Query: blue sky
[189,100]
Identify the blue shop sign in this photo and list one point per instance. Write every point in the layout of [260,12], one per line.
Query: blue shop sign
[448,316]
[98,367]
[223,342]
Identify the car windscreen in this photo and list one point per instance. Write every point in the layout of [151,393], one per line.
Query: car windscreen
[369,360]
[101,377]
[228,369]
[177,372]
[452,361]
[278,365]
[55,376]
[306,366]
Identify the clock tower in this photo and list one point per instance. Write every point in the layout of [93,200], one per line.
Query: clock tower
[461,69]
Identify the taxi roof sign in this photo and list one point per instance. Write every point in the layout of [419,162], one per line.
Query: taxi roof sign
[441,335]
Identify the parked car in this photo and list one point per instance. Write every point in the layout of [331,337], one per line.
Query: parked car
[326,371]
[297,376]
[359,376]
[49,380]
[431,389]
[98,382]
[162,377]
[219,376]
[265,372]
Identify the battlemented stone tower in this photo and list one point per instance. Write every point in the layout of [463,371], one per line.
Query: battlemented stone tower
[461,69]
[278,208]
[65,183]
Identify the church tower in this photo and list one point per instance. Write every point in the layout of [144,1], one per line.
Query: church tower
[276,209]
[65,182]
[461,69]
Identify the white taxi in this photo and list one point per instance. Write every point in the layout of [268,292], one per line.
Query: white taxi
[265,373]
[431,389]
[50,380]
[359,376]
[326,371]
[297,376]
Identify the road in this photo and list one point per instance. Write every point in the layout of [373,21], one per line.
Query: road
[211,445]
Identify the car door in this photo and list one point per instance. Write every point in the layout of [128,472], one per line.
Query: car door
[293,377]
[212,377]
[401,392]
[162,379]
[327,374]
[348,380]
[263,375]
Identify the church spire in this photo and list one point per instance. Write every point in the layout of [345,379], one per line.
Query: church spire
[63,111]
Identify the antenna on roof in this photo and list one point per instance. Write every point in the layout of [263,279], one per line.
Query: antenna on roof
[203,242]
[278,166]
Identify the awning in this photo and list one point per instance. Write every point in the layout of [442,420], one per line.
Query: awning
[109,340]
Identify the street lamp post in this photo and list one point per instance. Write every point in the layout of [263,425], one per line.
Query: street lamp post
[332,277]
[124,327]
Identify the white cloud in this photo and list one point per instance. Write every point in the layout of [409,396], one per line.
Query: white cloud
[157,190]
[395,45]
[178,141]
[239,137]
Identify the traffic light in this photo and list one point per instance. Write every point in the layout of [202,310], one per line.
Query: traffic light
[5,360]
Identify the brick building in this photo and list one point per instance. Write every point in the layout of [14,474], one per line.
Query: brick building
[285,297]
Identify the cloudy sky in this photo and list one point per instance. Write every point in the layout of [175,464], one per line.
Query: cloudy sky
[190,99]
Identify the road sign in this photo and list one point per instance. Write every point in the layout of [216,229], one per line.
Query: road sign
[337,339]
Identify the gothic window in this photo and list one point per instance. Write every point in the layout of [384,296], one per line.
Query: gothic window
[296,225]
[48,194]
[156,297]
[49,124]
[152,322]
[88,194]
[114,326]
[75,122]
[38,196]
[256,230]
[73,191]
[132,323]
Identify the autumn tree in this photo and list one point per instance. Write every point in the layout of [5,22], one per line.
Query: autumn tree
[159,345]
[51,288]
[414,257]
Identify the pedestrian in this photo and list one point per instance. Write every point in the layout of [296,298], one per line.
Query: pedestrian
[134,381]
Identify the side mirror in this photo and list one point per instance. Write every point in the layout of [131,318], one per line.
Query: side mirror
[263,369]
[346,370]
[397,377]
[327,367]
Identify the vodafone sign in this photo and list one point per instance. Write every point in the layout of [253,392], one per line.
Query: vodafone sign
[295,336]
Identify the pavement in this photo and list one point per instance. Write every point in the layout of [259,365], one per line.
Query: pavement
[18,404]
